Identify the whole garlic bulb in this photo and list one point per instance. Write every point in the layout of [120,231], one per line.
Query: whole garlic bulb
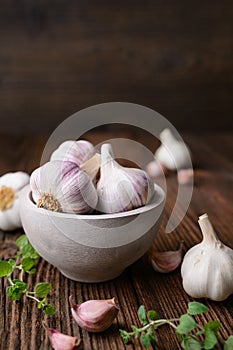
[74,151]
[62,186]
[207,268]
[119,188]
[10,186]
[172,154]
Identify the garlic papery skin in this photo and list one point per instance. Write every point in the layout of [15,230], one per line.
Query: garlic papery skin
[156,169]
[172,154]
[167,261]
[74,151]
[94,315]
[10,186]
[207,268]
[120,188]
[60,341]
[63,187]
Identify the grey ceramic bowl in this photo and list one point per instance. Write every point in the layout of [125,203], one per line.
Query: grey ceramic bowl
[91,248]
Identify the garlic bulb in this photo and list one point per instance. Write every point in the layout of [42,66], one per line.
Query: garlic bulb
[74,151]
[207,268]
[172,154]
[94,315]
[10,186]
[119,188]
[62,186]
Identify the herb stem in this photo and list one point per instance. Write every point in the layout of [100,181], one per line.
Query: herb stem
[10,280]
[30,296]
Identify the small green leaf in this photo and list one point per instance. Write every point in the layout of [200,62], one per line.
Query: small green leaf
[49,309]
[187,324]
[21,241]
[210,339]
[200,332]
[145,340]
[14,292]
[142,315]
[151,336]
[20,285]
[152,315]
[189,343]
[5,268]
[27,264]
[29,252]
[42,289]
[195,308]
[135,330]
[229,343]
[214,326]
[124,336]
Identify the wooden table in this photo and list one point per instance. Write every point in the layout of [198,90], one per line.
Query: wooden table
[20,322]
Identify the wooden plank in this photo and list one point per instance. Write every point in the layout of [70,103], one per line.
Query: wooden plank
[20,322]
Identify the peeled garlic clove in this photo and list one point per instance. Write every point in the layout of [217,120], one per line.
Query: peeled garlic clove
[156,169]
[62,186]
[95,315]
[185,176]
[92,165]
[207,267]
[60,341]
[167,261]
[10,186]
[74,151]
[172,154]
[119,188]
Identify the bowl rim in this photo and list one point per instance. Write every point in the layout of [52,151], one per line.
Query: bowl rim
[157,199]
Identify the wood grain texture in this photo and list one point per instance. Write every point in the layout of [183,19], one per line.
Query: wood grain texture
[20,322]
[58,57]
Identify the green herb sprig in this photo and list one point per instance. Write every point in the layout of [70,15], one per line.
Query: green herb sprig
[187,330]
[25,260]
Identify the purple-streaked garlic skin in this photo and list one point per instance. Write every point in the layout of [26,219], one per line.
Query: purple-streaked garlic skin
[119,188]
[95,315]
[60,341]
[74,151]
[167,261]
[66,186]
[185,176]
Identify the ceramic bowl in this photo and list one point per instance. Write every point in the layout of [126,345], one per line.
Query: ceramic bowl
[91,248]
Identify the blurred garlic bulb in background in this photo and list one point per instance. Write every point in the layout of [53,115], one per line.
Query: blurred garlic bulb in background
[62,186]
[120,188]
[74,151]
[172,154]
[10,186]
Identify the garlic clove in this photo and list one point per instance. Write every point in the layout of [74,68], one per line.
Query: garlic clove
[168,261]
[62,186]
[172,154]
[120,188]
[207,267]
[74,151]
[60,341]
[92,165]
[185,176]
[94,315]
[10,187]
[156,169]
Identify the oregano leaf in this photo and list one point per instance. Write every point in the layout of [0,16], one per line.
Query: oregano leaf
[196,308]
[145,340]
[229,343]
[187,324]
[189,343]
[210,339]
[142,315]
[5,268]
[152,315]
[42,289]
[213,326]
[21,241]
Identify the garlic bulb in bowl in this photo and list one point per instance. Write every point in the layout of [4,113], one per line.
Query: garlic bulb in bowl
[63,186]
[119,188]
[74,151]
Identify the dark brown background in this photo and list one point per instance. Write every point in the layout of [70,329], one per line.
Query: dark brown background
[57,57]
